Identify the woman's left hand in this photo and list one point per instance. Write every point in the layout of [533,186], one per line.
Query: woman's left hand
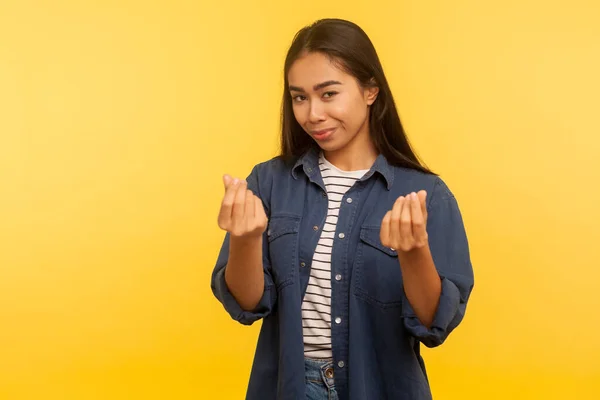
[404,227]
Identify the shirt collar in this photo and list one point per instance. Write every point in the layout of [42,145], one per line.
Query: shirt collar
[309,162]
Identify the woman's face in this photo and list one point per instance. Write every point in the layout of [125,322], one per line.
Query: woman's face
[328,103]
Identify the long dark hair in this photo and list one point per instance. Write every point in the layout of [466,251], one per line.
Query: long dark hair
[348,45]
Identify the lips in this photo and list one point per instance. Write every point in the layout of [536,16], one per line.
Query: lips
[323,133]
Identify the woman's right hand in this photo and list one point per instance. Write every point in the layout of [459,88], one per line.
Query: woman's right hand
[242,213]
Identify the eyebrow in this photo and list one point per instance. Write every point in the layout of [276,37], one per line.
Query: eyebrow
[318,86]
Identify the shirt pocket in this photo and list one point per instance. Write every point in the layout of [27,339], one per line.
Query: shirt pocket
[378,278]
[282,238]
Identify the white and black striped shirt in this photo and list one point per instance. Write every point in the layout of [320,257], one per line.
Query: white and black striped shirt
[316,306]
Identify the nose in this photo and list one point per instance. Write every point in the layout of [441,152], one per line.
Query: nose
[316,112]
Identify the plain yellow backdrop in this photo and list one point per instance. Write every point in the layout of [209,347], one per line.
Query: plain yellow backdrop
[118,118]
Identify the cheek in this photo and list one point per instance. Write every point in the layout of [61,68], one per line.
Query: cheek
[338,110]
[298,113]
[345,112]
[347,108]
[359,111]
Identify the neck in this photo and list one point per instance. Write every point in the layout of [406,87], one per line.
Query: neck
[358,154]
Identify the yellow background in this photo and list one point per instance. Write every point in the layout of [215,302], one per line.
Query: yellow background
[117,119]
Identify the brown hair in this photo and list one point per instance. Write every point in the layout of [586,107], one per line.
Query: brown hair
[346,44]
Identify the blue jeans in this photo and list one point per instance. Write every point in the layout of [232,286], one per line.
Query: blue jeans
[319,380]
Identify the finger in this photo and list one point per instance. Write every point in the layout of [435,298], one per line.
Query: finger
[259,210]
[418,222]
[226,211]
[384,232]
[395,235]
[238,203]
[227,180]
[423,201]
[406,223]
[249,204]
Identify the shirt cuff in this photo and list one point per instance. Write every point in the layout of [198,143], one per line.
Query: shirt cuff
[234,309]
[447,310]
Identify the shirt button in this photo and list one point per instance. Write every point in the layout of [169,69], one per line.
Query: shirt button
[315,228]
[348,200]
[302,264]
[341,235]
[338,277]
[341,364]
[323,194]
[338,320]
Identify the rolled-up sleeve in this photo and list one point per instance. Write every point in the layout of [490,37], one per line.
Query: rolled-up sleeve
[219,286]
[222,293]
[450,250]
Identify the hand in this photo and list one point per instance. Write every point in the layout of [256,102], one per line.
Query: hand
[404,227]
[242,213]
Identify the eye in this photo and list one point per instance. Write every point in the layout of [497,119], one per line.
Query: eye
[298,98]
[329,95]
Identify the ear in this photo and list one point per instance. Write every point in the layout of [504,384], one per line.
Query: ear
[371,92]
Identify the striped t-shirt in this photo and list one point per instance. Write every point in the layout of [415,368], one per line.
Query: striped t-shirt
[316,306]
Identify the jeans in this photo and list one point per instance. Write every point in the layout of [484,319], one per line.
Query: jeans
[319,380]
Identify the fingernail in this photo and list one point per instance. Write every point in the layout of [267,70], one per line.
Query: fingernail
[414,195]
[235,181]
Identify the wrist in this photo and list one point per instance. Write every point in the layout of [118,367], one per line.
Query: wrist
[245,241]
[414,256]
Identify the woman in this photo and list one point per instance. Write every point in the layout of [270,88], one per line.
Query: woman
[350,250]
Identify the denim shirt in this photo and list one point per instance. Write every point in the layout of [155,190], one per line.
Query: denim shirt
[376,346]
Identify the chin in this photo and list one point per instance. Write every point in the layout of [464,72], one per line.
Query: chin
[329,146]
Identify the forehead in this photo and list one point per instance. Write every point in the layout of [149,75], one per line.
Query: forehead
[313,68]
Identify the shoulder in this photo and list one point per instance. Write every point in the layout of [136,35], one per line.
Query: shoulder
[408,180]
[267,175]
[272,166]
[269,171]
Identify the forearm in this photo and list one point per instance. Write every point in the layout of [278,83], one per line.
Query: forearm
[422,283]
[244,271]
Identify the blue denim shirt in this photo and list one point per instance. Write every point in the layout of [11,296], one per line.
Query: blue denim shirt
[376,347]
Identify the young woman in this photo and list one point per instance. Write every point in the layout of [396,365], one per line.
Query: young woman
[350,251]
